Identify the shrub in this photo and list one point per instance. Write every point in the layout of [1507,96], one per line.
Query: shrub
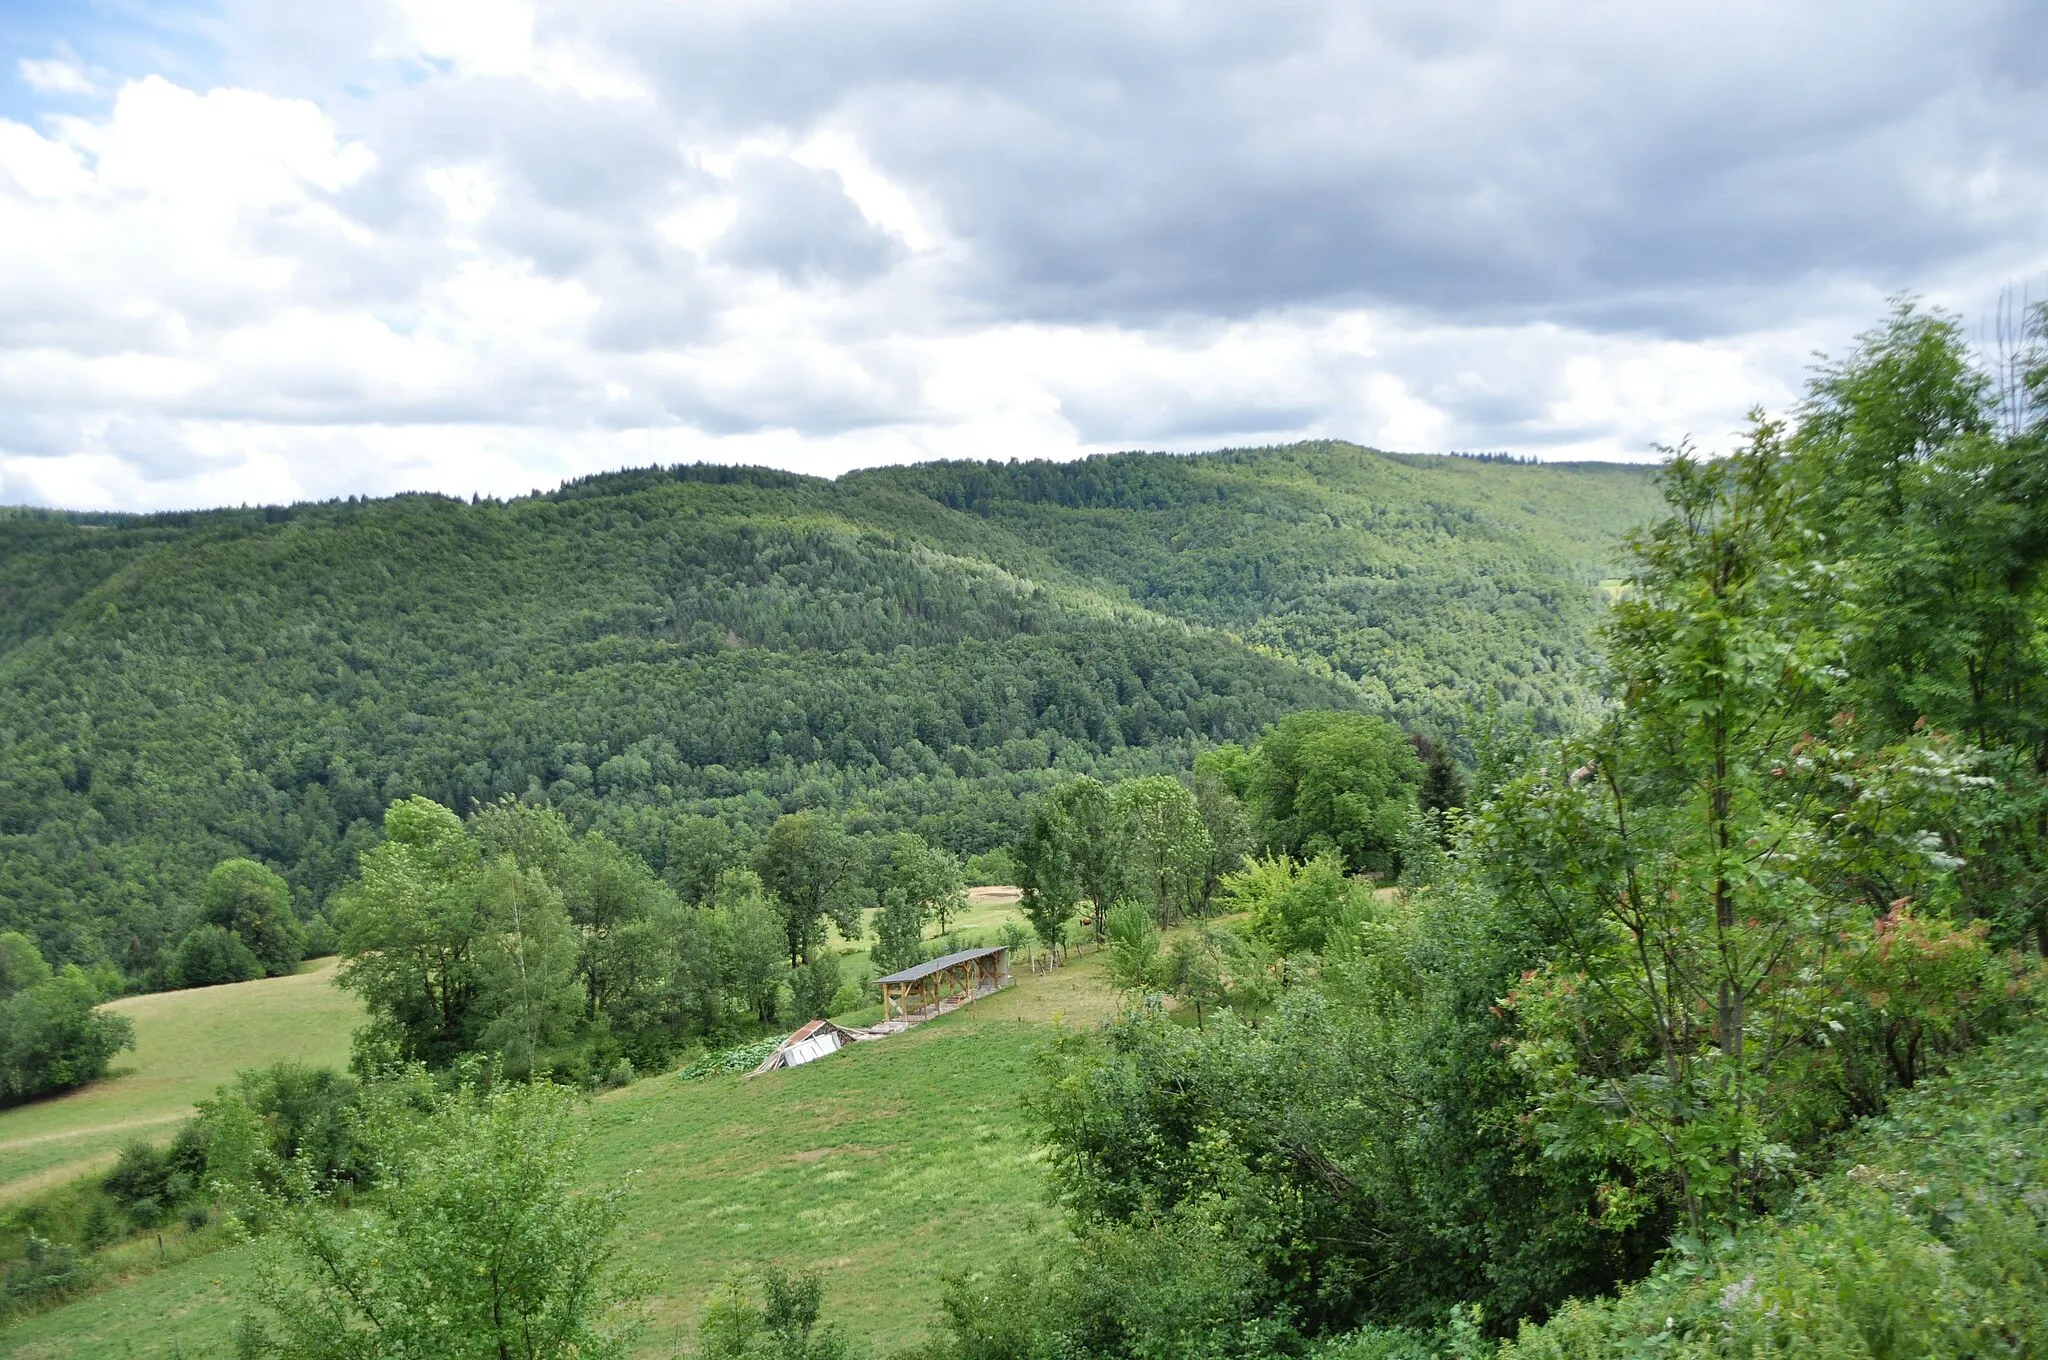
[730,1061]
[141,1174]
[1930,1238]
[53,1037]
[210,955]
[783,1326]
[1293,906]
[990,869]
[812,987]
[46,1270]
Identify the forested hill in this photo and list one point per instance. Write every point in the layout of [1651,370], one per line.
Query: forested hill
[918,647]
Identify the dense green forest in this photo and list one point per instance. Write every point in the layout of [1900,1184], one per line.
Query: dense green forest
[919,649]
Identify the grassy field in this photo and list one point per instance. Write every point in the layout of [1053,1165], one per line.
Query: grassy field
[186,1044]
[883,1167]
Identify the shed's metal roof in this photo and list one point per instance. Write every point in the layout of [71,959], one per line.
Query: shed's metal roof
[944,961]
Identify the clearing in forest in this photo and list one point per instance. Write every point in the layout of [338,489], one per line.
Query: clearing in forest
[186,1044]
[883,1166]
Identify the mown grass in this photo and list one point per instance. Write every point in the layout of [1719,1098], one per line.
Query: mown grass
[186,1044]
[883,1167]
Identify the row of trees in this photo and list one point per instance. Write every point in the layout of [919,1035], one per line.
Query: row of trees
[512,935]
[1334,787]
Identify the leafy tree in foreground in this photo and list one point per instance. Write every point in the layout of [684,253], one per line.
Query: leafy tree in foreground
[1708,888]
[482,1242]
[1934,532]
[783,1326]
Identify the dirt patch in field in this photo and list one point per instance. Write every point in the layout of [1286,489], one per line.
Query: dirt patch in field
[843,1150]
[994,896]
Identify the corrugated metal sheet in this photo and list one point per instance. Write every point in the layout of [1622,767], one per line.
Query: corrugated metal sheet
[797,1054]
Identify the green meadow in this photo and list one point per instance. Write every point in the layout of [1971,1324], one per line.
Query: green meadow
[186,1044]
[883,1166]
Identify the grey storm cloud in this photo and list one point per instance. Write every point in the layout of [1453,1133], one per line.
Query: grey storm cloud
[1615,164]
[798,221]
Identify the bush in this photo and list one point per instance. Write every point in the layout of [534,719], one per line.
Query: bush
[1175,1285]
[210,955]
[287,1114]
[487,1240]
[784,1326]
[46,1270]
[812,987]
[730,1061]
[1293,906]
[141,1173]
[990,869]
[53,1037]
[1930,1238]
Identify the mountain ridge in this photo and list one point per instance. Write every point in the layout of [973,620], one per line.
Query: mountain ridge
[921,647]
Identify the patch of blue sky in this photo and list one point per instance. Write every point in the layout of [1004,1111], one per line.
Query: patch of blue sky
[69,56]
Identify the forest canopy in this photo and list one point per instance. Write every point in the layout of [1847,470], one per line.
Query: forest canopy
[684,656]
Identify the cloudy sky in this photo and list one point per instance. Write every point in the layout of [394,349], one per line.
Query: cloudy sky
[267,250]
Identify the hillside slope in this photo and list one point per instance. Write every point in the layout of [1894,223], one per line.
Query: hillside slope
[917,647]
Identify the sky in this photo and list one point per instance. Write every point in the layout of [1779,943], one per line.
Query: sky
[259,250]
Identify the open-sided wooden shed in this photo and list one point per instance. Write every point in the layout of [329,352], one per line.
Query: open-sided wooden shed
[944,982]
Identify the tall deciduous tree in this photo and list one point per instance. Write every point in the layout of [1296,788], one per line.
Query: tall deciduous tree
[925,876]
[1070,852]
[1166,843]
[410,925]
[1335,781]
[527,965]
[1934,530]
[812,870]
[1686,858]
[748,940]
[1229,825]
